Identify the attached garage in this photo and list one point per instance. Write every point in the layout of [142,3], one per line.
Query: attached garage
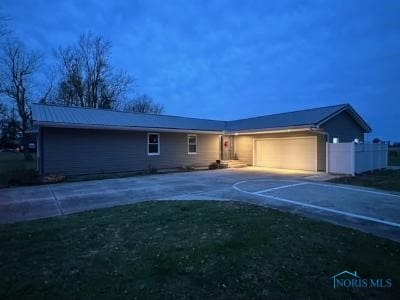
[299,153]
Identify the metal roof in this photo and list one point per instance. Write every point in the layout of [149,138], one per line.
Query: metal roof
[67,116]
[80,117]
[308,117]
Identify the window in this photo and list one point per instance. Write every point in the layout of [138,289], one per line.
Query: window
[192,144]
[153,144]
[335,140]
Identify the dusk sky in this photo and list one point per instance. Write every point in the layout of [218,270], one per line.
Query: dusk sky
[234,59]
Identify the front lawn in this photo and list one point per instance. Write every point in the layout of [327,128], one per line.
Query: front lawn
[189,250]
[386,180]
[394,158]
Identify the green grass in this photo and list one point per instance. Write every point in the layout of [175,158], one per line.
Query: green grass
[15,169]
[189,250]
[394,159]
[386,180]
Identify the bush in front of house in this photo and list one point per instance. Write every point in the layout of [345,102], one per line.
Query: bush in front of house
[216,165]
[213,166]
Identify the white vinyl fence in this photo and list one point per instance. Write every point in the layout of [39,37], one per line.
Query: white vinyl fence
[352,158]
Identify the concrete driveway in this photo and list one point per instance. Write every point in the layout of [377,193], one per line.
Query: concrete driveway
[369,210]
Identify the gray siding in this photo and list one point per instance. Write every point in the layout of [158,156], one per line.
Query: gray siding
[344,127]
[244,145]
[80,151]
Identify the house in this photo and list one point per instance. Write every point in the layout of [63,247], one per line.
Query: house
[73,140]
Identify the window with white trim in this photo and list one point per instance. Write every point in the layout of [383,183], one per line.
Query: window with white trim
[192,144]
[335,140]
[153,143]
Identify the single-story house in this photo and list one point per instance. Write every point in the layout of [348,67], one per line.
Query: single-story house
[74,140]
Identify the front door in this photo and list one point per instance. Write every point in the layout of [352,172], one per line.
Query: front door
[227,147]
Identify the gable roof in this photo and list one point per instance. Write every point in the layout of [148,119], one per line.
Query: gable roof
[353,113]
[67,116]
[314,117]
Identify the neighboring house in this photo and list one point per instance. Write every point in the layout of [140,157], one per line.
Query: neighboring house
[74,140]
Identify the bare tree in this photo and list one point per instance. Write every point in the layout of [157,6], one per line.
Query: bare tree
[87,76]
[144,104]
[3,25]
[3,114]
[17,68]
[10,132]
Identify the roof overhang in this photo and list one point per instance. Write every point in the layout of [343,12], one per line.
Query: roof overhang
[273,130]
[354,115]
[177,130]
[124,128]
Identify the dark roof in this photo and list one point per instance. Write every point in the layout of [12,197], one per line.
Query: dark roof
[79,116]
[308,117]
[67,116]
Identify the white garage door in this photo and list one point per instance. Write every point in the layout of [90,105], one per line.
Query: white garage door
[287,153]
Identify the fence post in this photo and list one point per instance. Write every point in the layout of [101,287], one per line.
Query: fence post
[353,158]
[386,155]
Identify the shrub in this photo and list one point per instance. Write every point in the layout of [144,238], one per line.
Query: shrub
[214,166]
[53,178]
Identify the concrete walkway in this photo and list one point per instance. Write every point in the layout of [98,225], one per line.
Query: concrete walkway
[369,210]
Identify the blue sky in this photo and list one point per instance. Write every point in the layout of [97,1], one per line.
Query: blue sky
[234,59]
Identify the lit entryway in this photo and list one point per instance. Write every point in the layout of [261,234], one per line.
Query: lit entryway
[298,153]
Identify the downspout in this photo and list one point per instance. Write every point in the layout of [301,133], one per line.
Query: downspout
[221,149]
[41,151]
